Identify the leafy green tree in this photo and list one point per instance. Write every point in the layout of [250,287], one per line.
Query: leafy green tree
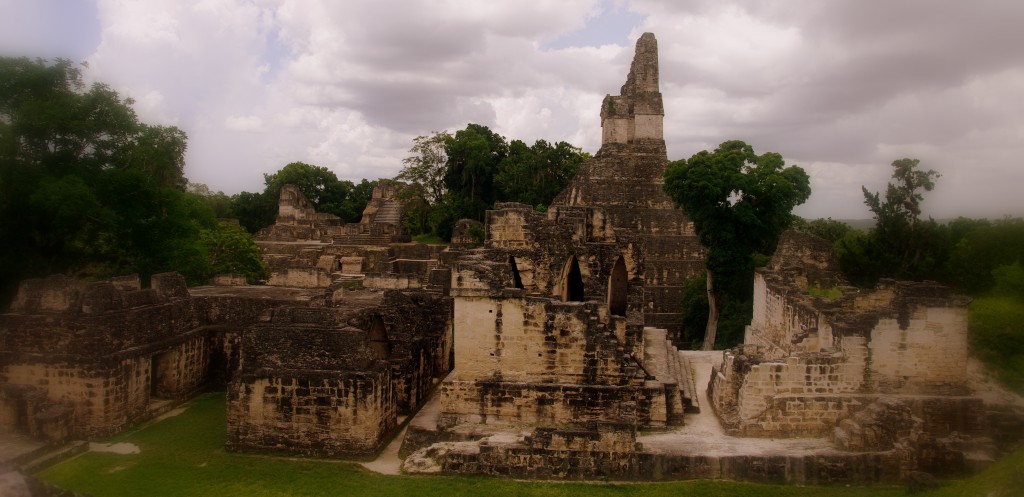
[427,165]
[901,236]
[360,195]
[254,211]
[740,203]
[829,229]
[230,249]
[535,175]
[85,188]
[218,202]
[901,245]
[473,157]
[980,248]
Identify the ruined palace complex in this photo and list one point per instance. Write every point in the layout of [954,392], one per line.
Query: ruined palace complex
[546,352]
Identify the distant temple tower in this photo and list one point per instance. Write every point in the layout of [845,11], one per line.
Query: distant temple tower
[638,113]
[624,180]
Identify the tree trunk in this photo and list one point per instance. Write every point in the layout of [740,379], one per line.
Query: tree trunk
[712,328]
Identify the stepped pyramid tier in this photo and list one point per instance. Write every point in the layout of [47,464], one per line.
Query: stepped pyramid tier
[564,318]
[624,180]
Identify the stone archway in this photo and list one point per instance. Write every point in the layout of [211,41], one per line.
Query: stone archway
[617,288]
[572,281]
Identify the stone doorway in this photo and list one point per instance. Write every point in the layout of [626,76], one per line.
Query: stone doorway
[572,281]
[617,288]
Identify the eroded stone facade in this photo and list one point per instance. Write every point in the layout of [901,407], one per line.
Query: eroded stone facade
[88,360]
[332,381]
[872,369]
[312,250]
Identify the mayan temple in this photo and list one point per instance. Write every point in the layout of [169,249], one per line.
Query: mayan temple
[625,181]
[549,351]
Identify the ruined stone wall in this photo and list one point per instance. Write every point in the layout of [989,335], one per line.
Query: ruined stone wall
[550,404]
[811,361]
[535,340]
[552,454]
[310,383]
[105,350]
[928,355]
[312,277]
[294,208]
[332,381]
[612,453]
[110,394]
[310,413]
[419,332]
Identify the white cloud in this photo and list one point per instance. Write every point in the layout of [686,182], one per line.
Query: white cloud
[842,88]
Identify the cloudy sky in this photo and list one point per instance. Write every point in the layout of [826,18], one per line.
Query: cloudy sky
[841,88]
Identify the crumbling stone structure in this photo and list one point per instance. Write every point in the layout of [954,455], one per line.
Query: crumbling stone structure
[872,369]
[309,372]
[332,381]
[624,181]
[312,250]
[548,329]
[89,360]
[557,317]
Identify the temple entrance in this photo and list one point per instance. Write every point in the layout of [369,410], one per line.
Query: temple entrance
[516,280]
[617,288]
[377,336]
[572,281]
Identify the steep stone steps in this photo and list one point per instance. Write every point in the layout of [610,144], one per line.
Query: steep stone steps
[390,212]
[670,367]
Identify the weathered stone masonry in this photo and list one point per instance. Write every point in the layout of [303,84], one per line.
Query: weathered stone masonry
[332,381]
[86,360]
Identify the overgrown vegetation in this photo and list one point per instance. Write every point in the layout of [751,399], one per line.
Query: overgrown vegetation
[740,203]
[827,293]
[452,177]
[88,190]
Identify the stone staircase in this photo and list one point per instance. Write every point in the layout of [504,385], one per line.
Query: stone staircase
[390,212]
[668,365]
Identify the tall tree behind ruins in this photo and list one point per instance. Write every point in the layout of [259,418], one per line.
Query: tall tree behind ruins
[449,177]
[740,203]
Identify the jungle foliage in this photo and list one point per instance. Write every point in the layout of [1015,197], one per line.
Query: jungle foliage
[89,190]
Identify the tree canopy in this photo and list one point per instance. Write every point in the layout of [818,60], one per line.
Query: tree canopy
[85,187]
[740,203]
[900,245]
[461,175]
[320,186]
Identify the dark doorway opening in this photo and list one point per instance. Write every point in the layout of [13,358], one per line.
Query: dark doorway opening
[572,281]
[516,280]
[617,288]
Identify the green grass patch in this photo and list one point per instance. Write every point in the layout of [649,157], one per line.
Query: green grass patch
[429,239]
[827,293]
[184,456]
[997,337]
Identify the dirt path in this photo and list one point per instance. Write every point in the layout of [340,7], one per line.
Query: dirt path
[388,463]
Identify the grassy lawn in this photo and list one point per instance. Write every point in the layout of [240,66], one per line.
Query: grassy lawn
[997,336]
[184,456]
